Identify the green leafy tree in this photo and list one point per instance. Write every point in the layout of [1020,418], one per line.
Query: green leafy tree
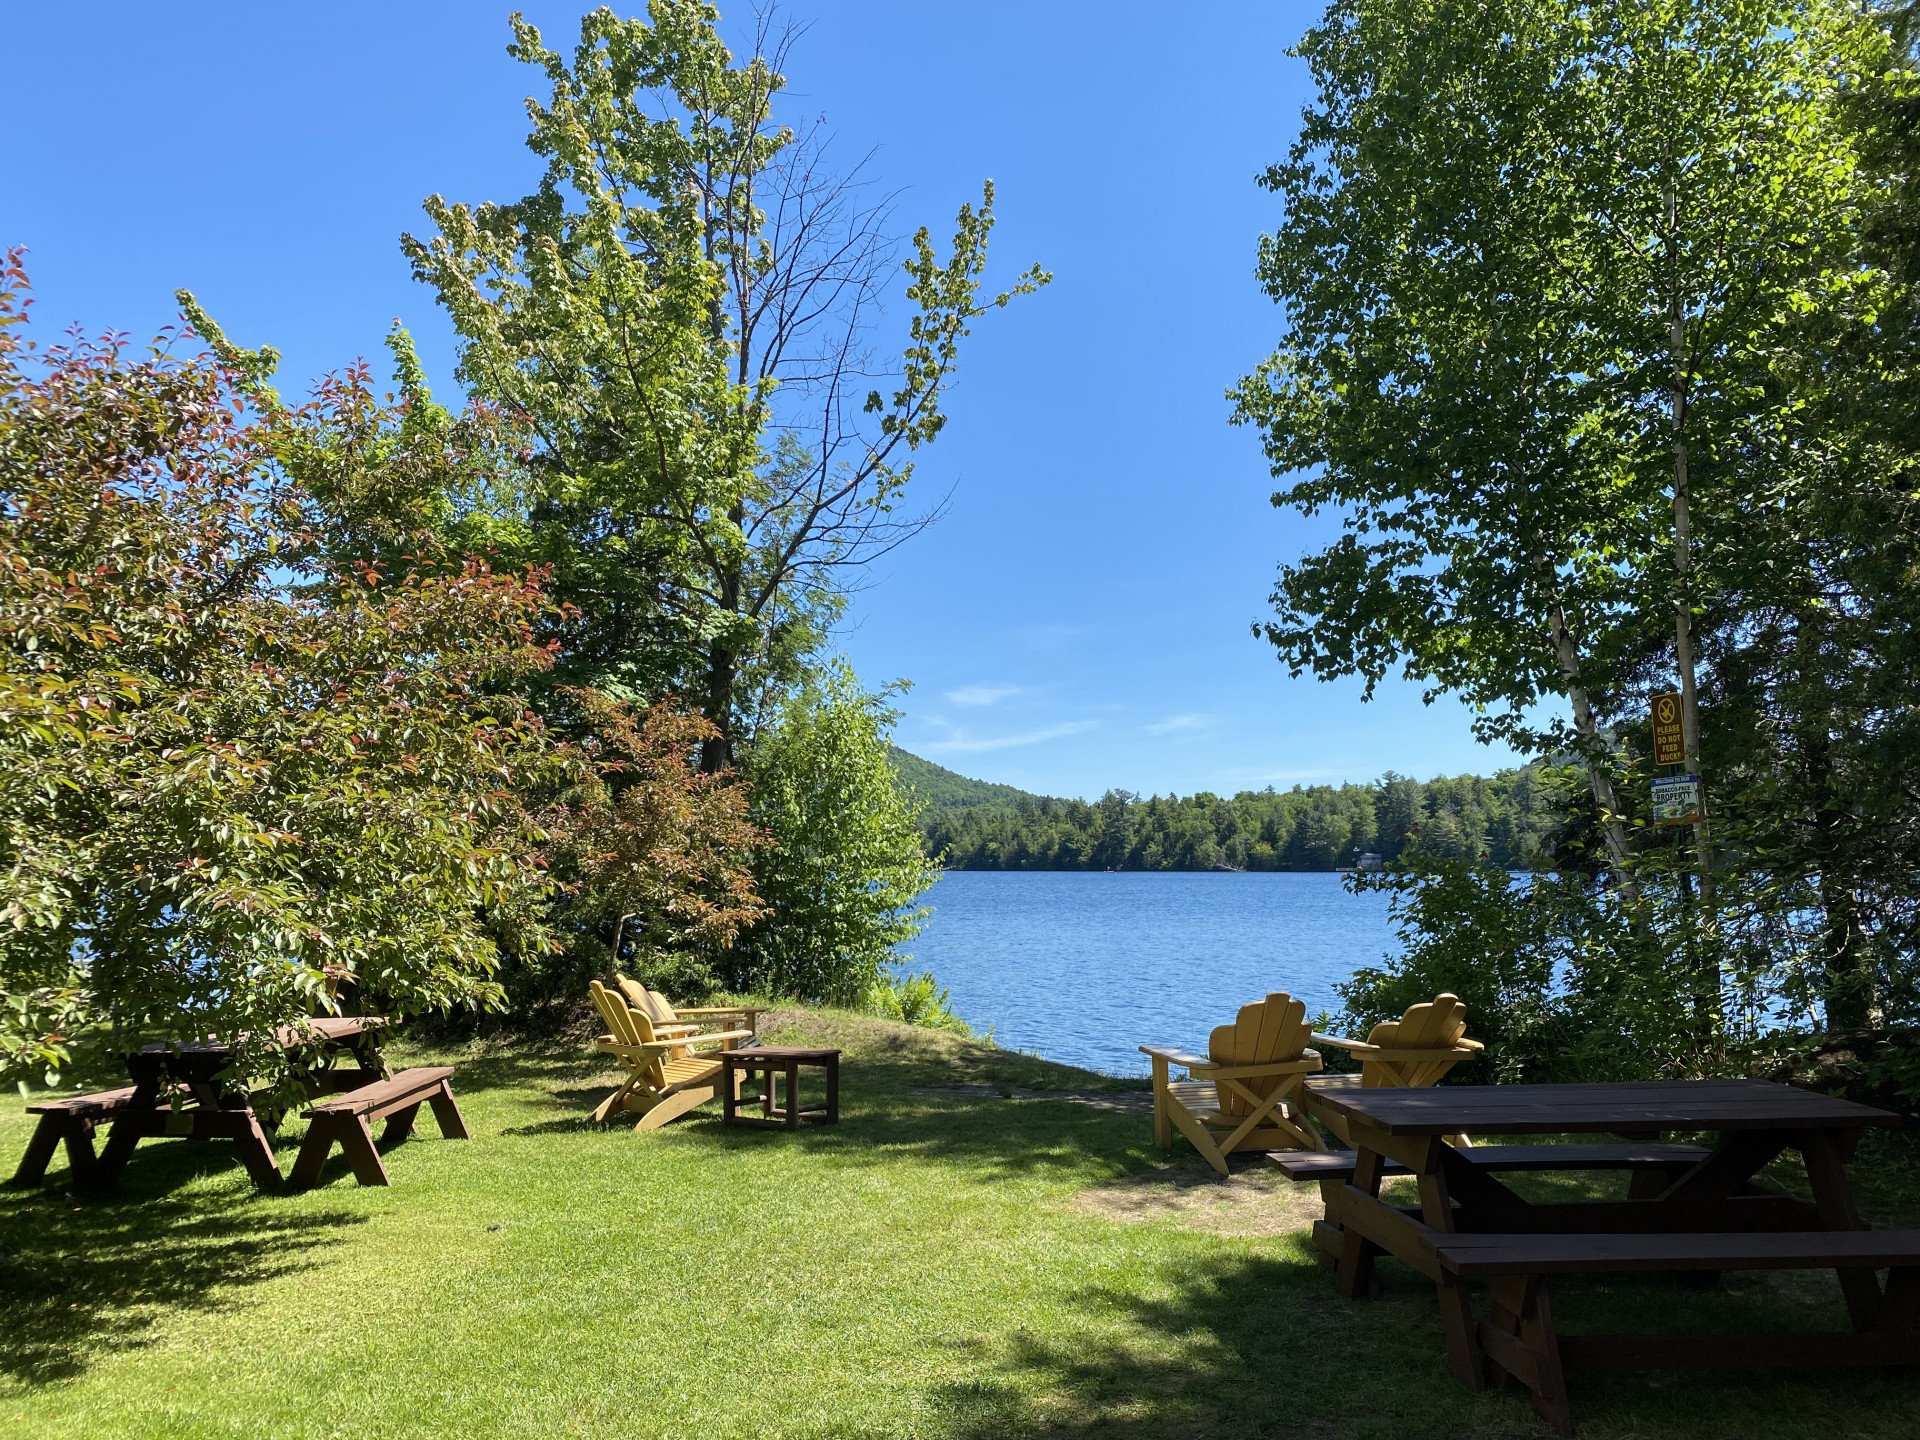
[653,856]
[1538,262]
[1496,214]
[216,795]
[679,319]
[844,873]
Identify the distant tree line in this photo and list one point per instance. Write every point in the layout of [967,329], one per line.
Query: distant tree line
[1511,820]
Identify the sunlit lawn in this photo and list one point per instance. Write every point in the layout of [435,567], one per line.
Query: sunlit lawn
[935,1265]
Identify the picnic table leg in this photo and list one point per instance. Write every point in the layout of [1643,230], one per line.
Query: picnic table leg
[399,1125]
[1826,1174]
[356,1138]
[446,1113]
[46,1139]
[256,1151]
[129,1128]
[833,1089]
[1900,1309]
[793,1094]
[314,1150]
[1456,1309]
[1353,1272]
[80,1157]
[1521,1309]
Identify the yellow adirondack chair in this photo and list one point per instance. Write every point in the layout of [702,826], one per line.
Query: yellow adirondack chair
[1416,1050]
[666,1018]
[1244,1093]
[667,1074]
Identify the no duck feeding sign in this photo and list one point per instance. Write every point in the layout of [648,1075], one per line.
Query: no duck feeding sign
[1669,747]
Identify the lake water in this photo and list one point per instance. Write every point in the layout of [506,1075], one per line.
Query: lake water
[1082,968]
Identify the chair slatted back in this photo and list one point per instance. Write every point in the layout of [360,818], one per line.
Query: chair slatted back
[1267,1032]
[629,1027]
[648,1002]
[1434,1025]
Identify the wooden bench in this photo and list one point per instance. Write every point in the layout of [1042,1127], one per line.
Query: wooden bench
[1520,1339]
[72,1120]
[1337,1165]
[347,1120]
[1654,1167]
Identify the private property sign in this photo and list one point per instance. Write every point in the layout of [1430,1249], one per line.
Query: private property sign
[1676,800]
[1669,747]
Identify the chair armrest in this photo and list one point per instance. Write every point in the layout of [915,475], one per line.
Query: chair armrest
[1394,1055]
[1396,1052]
[723,1009]
[1177,1057]
[643,1052]
[1358,1047]
[717,1035]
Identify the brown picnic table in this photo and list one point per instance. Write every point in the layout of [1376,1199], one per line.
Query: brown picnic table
[177,1090]
[1687,1209]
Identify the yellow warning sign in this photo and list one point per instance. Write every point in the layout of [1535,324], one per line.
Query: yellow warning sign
[1669,747]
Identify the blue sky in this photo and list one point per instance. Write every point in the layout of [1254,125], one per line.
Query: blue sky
[1079,619]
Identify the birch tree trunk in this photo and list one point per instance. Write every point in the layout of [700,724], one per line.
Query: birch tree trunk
[1708,976]
[1568,657]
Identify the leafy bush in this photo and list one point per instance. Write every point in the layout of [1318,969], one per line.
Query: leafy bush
[651,855]
[914,999]
[1564,980]
[844,869]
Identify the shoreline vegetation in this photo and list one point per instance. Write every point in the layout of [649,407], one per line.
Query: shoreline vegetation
[1512,819]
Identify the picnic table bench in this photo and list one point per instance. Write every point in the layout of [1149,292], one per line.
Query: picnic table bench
[73,1120]
[1521,1340]
[346,1121]
[1708,1211]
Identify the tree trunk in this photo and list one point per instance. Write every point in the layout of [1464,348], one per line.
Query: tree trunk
[723,669]
[1708,980]
[1596,752]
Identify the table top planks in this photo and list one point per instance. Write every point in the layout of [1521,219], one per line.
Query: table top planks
[1627,1107]
[324,1030]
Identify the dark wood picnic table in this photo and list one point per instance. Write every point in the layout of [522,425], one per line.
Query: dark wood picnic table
[1713,1210]
[178,1090]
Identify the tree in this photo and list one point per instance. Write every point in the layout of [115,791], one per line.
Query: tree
[217,795]
[680,318]
[654,856]
[844,873]
[1537,262]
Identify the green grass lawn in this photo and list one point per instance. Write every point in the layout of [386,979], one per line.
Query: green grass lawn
[941,1264]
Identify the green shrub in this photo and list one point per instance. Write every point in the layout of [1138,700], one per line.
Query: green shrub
[844,872]
[914,999]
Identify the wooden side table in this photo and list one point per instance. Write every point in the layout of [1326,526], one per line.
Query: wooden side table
[766,1061]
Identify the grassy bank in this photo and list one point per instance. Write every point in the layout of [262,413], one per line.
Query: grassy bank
[960,1257]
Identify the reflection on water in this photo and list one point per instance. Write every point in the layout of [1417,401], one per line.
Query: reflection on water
[1085,967]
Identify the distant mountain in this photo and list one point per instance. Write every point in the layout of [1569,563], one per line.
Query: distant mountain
[940,789]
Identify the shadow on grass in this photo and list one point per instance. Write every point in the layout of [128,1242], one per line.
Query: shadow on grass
[1236,1345]
[80,1280]
[882,1118]
[1248,1345]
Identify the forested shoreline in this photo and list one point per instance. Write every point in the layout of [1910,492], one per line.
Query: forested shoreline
[1511,820]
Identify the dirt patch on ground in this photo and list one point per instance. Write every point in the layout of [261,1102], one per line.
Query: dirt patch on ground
[1247,1203]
